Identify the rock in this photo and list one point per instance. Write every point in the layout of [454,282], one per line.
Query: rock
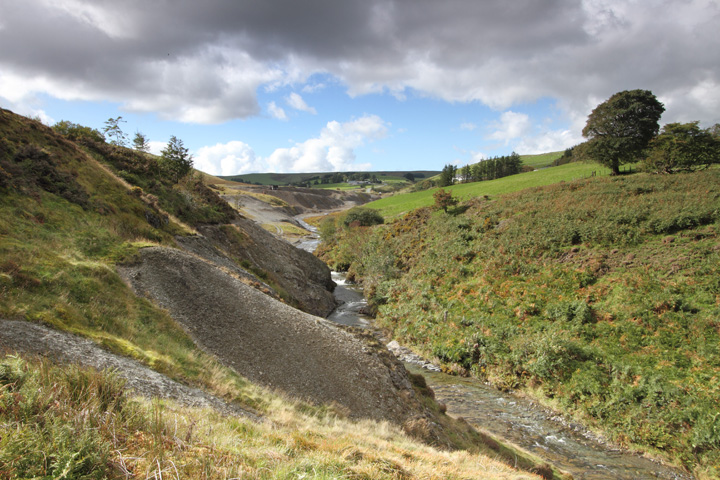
[300,275]
[406,355]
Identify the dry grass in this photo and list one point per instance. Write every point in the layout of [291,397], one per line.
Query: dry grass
[133,438]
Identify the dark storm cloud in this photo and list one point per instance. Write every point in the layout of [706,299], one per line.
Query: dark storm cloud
[204,61]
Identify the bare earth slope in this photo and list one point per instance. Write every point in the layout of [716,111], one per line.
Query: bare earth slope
[21,336]
[271,343]
[303,276]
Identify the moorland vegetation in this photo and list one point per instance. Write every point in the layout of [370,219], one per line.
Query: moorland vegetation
[599,296]
[73,208]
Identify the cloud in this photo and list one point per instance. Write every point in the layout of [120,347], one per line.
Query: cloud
[277,112]
[297,102]
[313,87]
[333,150]
[204,62]
[468,126]
[228,159]
[548,141]
[156,147]
[512,125]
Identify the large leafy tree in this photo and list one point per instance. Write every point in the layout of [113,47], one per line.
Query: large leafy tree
[175,159]
[682,147]
[620,128]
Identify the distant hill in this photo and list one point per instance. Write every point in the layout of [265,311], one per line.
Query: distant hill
[402,203]
[295,178]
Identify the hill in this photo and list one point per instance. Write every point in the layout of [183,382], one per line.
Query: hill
[304,178]
[541,160]
[398,204]
[102,256]
[597,296]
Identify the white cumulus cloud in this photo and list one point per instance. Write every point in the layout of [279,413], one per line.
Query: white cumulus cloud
[277,112]
[298,103]
[511,125]
[227,159]
[333,150]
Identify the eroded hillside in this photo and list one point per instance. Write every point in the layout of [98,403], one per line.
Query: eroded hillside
[204,310]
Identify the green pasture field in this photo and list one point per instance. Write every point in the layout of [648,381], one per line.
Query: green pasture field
[401,203]
[541,160]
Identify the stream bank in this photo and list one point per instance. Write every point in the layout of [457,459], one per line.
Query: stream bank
[519,421]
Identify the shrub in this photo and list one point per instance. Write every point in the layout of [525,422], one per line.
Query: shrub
[682,147]
[76,132]
[36,166]
[444,199]
[365,217]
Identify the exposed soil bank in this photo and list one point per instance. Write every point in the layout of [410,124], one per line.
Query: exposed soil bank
[273,344]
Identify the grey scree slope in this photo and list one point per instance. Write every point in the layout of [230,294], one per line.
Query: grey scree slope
[271,343]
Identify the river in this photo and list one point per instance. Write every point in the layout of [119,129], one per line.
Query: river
[568,446]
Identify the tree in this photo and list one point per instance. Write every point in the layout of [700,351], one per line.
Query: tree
[363,217]
[175,159]
[76,132]
[465,173]
[444,199]
[620,128]
[447,176]
[682,147]
[714,131]
[409,176]
[141,143]
[112,129]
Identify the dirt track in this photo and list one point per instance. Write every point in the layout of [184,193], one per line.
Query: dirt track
[26,337]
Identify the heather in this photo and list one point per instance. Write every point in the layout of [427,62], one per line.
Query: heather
[599,296]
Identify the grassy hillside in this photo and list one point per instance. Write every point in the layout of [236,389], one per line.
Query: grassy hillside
[406,202]
[66,222]
[599,296]
[540,160]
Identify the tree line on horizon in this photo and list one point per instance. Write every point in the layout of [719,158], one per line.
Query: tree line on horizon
[624,129]
[488,169]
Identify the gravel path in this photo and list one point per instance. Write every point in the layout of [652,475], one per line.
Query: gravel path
[30,338]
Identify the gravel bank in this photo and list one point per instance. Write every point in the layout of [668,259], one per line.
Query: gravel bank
[30,338]
[273,344]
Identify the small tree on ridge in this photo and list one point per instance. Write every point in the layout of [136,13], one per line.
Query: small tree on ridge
[176,160]
[112,129]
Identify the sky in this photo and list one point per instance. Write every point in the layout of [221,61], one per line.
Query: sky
[352,85]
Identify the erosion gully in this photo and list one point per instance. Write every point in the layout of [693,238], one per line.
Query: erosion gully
[566,445]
